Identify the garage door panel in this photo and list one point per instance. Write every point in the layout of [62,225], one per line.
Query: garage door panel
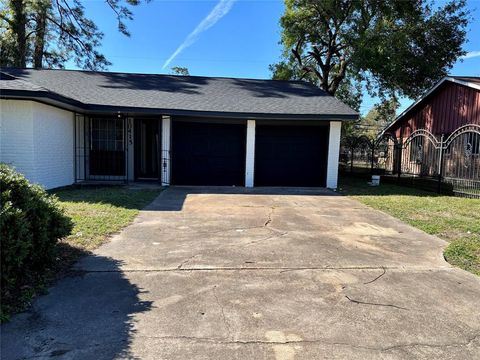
[208,153]
[291,155]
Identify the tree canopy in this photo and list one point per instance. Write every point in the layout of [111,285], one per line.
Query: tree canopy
[390,47]
[48,33]
[180,70]
[377,119]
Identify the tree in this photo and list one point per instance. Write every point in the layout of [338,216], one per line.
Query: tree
[377,119]
[349,91]
[47,33]
[393,48]
[179,70]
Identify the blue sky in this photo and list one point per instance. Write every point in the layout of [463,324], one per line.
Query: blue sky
[238,39]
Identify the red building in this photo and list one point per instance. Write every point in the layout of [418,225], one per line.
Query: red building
[439,135]
[450,104]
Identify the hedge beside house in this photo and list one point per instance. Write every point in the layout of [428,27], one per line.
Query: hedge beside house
[31,223]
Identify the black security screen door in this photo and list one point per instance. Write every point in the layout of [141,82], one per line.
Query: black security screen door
[147,145]
[107,147]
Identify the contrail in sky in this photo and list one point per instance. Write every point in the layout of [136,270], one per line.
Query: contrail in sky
[220,10]
[471,54]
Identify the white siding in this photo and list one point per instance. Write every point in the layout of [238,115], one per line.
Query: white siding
[37,140]
[333,154]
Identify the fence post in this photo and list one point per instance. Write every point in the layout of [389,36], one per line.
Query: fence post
[352,149]
[399,158]
[440,165]
[372,155]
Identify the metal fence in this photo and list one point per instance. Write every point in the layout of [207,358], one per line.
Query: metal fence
[451,159]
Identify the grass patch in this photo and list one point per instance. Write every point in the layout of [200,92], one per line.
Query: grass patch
[98,212]
[454,219]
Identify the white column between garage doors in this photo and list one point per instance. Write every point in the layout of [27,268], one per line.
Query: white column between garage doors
[250,154]
[333,154]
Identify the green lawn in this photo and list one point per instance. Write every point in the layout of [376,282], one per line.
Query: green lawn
[454,219]
[98,212]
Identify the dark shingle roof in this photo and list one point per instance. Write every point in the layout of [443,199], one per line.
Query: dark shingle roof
[169,93]
[11,83]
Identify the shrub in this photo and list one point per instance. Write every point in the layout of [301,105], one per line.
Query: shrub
[31,222]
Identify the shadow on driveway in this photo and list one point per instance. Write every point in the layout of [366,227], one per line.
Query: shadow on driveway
[174,197]
[89,315]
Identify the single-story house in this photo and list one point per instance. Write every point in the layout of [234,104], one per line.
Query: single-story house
[60,127]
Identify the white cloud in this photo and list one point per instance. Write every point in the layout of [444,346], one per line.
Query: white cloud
[220,10]
[471,54]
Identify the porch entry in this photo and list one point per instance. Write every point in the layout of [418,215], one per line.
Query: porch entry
[147,149]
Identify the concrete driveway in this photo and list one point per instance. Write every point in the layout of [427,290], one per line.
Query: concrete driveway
[262,274]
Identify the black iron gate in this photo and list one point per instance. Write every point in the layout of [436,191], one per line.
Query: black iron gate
[449,159]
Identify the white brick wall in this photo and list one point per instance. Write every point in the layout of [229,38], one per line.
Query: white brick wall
[333,154]
[16,136]
[53,134]
[37,140]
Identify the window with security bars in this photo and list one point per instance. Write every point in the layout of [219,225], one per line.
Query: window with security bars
[107,147]
[107,134]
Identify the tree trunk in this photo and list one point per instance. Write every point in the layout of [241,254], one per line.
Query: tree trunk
[40,32]
[19,23]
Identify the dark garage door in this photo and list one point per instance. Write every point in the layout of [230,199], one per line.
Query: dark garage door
[208,153]
[291,155]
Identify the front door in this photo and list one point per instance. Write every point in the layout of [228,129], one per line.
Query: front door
[147,149]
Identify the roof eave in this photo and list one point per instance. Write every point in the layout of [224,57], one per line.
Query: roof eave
[218,114]
[46,97]
[76,106]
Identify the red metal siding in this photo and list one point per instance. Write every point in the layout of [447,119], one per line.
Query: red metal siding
[445,110]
